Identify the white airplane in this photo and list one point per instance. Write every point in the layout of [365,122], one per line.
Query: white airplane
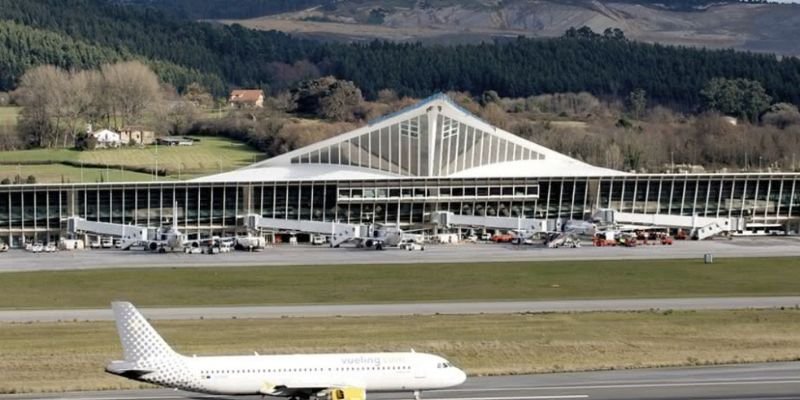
[148,358]
[380,237]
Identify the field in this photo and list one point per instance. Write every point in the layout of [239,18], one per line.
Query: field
[750,27]
[57,173]
[71,355]
[348,284]
[209,155]
[8,115]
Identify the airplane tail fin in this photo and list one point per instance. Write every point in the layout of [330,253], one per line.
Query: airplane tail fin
[139,340]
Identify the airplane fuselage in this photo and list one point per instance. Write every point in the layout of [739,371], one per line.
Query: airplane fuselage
[277,375]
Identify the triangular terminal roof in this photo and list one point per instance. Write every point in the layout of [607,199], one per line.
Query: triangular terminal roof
[433,138]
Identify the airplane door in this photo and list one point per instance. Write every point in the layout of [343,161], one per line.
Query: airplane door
[420,373]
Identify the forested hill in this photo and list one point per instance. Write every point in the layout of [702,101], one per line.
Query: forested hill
[84,33]
[238,9]
[227,9]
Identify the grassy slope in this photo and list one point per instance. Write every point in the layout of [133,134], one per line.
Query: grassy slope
[403,283]
[8,115]
[34,356]
[209,155]
[57,173]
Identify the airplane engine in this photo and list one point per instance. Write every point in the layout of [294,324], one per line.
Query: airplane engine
[153,246]
[369,243]
[347,393]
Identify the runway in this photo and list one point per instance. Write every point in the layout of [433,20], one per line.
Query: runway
[498,307]
[19,260]
[778,381]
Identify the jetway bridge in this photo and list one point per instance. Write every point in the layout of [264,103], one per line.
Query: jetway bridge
[129,234]
[699,227]
[339,233]
[451,220]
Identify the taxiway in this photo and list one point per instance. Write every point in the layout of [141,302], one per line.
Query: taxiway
[395,309]
[19,260]
[777,381]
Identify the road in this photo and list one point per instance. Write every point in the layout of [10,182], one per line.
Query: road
[19,260]
[778,381]
[499,307]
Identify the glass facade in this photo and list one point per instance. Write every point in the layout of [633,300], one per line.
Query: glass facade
[422,145]
[38,212]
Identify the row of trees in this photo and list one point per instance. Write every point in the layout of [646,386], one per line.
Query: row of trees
[605,64]
[58,104]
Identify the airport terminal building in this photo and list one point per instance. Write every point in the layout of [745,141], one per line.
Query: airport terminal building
[401,169]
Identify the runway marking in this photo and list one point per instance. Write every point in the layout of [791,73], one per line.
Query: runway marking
[629,385]
[565,396]
[761,380]
[133,397]
[554,397]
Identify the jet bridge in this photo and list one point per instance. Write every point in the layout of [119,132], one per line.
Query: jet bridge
[129,234]
[338,232]
[700,227]
[451,220]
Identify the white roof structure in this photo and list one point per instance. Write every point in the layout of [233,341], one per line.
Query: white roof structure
[106,136]
[435,138]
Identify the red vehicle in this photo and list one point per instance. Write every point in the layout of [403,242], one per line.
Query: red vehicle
[503,238]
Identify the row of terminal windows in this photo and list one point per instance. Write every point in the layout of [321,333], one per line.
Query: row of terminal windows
[329,369]
[472,191]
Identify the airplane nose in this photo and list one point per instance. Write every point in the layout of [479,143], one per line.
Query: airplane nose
[461,377]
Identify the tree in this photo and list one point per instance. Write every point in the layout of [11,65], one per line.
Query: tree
[30,179]
[179,116]
[42,93]
[782,115]
[327,97]
[85,141]
[199,96]
[488,97]
[742,98]
[131,87]
[637,103]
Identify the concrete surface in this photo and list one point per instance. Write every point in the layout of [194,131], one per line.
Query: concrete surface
[778,381]
[19,260]
[499,307]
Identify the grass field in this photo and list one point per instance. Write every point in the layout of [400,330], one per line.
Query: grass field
[401,283]
[71,356]
[8,115]
[56,173]
[209,155]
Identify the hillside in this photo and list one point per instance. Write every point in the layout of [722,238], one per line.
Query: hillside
[79,34]
[744,26]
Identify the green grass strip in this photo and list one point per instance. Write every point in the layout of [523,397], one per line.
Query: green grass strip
[71,356]
[349,284]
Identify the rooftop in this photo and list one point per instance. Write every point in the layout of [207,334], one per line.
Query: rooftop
[433,138]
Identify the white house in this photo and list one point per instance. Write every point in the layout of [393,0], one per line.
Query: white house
[107,138]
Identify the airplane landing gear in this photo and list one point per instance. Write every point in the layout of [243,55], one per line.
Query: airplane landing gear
[417,395]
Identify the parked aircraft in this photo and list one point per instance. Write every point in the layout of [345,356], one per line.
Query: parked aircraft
[580,228]
[380,237]
[148,358]
[250,242]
